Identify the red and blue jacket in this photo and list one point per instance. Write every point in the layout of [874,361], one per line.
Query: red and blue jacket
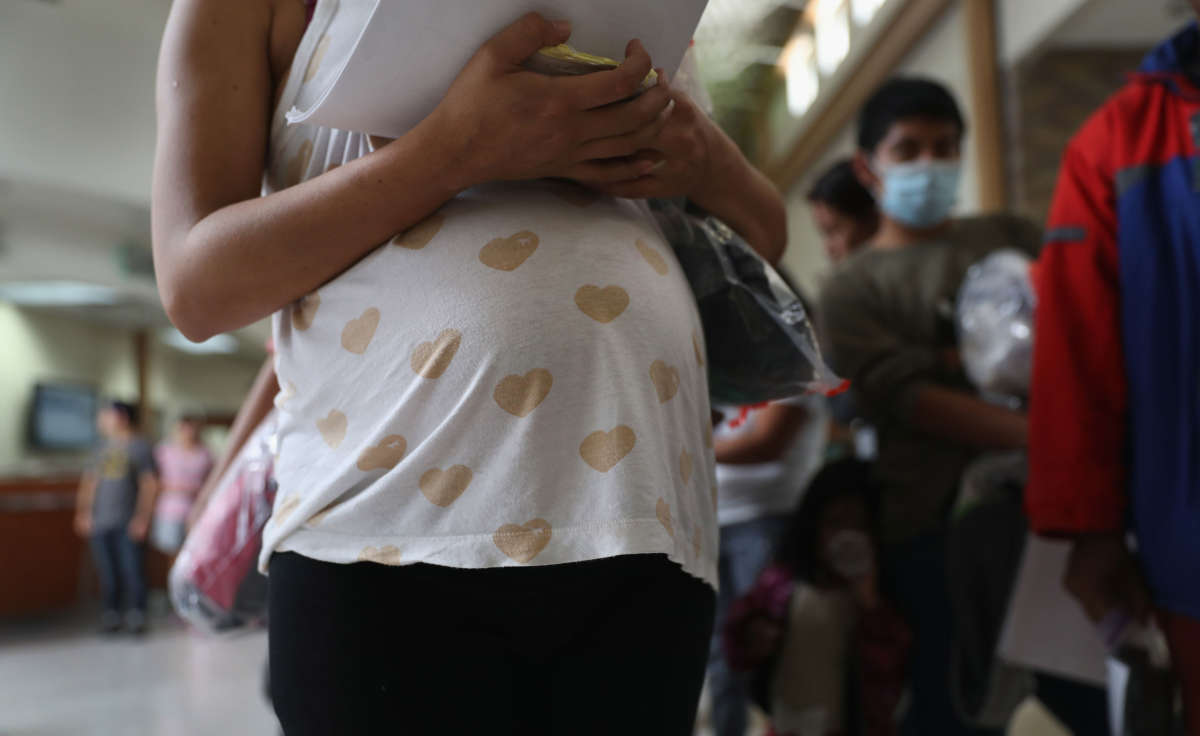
[1115,406]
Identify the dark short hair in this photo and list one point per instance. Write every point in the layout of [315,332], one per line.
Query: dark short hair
[840,189]
[906,97]
[797,549]
[126,410]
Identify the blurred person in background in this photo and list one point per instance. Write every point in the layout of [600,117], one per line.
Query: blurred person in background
[765,459]
[423,469]
[183,465]
[114,509]
[844,211]
[1115,405]
[826,649]
[846,214]
[889,318]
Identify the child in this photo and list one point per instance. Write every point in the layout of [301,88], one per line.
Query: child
[816,620]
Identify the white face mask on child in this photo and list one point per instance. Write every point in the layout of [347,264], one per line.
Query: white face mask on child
[849,554]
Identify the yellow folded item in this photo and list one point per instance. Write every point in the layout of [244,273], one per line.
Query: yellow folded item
[564,60]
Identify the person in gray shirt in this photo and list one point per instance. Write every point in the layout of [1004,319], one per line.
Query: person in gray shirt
[113,510]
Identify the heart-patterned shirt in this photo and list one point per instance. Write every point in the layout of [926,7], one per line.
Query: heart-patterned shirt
[516,380]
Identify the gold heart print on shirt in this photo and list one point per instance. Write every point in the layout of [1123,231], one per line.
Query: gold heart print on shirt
[420,235]
[385,455]
[507,254]
[358,332]
[653,257]
[603,305]
[520,395]
[666,380]
[333,428]
[603,450]
[696,347]
[285,509]
[305,311]
[663,512]
[388,554]
[431,359]
[297,167]
[523,543]
[314,63]
[685,466]
[443,487]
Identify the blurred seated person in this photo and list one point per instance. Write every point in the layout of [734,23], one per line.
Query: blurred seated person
[183,465]
[113,510]
[826,649]
[765,457]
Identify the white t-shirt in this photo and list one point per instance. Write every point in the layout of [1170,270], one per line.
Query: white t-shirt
[516,380]
[762,489]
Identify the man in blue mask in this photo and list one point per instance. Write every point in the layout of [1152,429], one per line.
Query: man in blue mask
[889,318]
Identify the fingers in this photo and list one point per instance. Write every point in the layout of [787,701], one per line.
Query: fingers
[523,38]
[613,170]
[628,142]
[604,88]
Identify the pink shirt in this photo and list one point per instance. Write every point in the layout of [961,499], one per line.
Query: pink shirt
[182,473]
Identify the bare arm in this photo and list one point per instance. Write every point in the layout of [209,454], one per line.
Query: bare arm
[83,503]
[767,440]
[256,406]
[215,239]
[966,420]
[694,158]
[147,495]
[742,197]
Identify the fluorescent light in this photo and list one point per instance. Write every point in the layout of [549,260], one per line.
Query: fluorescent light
[803,82]
[833,35]
[57,294]
[218,345]
[865,10]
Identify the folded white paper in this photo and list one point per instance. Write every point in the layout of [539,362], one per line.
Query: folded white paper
[389,62]
[1045,629]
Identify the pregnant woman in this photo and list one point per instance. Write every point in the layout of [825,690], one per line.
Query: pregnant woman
[496,507]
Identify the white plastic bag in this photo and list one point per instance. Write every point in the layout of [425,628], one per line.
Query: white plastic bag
[995,324]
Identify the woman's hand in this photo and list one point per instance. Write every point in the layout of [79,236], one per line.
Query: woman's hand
[685,154]
[679,154]
[506,123]
[83,523]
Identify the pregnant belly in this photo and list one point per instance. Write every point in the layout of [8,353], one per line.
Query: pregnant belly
[496,271]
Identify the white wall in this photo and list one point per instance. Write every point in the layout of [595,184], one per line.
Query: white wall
[77,80]
[44,347]
[1022,25]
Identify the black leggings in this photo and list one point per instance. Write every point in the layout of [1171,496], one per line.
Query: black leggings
[614,646]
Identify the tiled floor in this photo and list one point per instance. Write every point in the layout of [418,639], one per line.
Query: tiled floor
[58,678]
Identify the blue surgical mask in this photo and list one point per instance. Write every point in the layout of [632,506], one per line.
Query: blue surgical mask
[920,194]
